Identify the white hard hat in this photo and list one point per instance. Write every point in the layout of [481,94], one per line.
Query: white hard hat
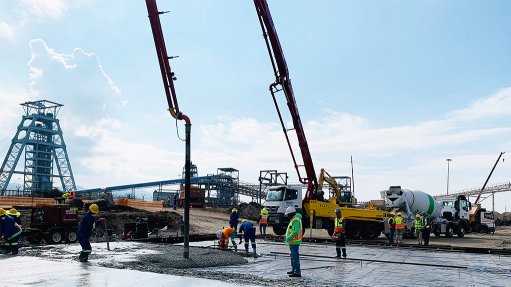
[290,210]
[219,234]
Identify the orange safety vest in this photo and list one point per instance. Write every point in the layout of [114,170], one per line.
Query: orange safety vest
[339,225]
[400,223]
[298,237]
[264,219]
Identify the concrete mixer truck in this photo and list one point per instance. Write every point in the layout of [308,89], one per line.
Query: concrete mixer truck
[450,215]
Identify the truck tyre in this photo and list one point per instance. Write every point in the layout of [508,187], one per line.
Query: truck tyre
[279,230]
[484,229]
[461,232]
[71,236]
[352,230]
[54,236]
[437,233]
[449,232]
[370,231]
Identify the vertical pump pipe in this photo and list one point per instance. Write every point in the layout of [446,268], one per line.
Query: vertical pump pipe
[168,83]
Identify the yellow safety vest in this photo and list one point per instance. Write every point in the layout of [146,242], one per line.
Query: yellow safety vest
[400,223]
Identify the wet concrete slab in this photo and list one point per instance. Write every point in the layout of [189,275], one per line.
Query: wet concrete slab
[33,271]
[481,269]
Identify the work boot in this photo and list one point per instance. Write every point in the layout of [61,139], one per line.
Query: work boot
[295,275]
[344,252]
[254,253]
[290,272]
[338,252]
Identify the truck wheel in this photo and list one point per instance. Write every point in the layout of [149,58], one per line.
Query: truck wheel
[54,237]
[484,229]
[437,233]
[352,230]
[370,231]
[71,236]
[449,232]
[461,232]
[279,230]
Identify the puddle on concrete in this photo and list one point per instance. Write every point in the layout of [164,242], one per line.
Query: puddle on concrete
[32,271]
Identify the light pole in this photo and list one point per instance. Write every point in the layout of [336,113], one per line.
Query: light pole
[448,161]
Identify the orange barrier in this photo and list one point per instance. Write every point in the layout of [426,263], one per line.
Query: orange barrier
[140,204]
[10,201]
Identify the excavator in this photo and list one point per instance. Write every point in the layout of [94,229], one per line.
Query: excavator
[316,211]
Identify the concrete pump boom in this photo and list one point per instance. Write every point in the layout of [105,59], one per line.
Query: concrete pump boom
[283,83]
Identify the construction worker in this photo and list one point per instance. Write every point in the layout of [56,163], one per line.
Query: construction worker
[224,235]
[263,221]
[400,228]
[417,224]
[392,227]
[249,232]
[426,228]
[10,231]
[234,219]
[15,214]
[340,233]
[175,201]
[85,228]
[294,239]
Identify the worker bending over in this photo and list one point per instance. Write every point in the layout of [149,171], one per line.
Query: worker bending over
[85,228]
[340,233]
[11,232]
[248,230]
[15,214]
[224,235]
[417,224]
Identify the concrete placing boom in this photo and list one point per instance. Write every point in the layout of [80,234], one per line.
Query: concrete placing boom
[168,83]
[283,83]
[317,212]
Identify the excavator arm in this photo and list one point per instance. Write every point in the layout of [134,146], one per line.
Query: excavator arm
[283,83]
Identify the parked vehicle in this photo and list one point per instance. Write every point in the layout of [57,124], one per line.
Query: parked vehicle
[53,223]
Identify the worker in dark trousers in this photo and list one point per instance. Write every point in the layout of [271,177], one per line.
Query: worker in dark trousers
[10,231]
[392,227]
[175,201]
[248,230]
[426,228]
[340,233]
[234,219]
[87,224]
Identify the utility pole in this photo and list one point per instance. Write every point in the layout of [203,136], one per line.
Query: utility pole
[448,162]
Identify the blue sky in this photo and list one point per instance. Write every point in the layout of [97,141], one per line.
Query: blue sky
[398,85]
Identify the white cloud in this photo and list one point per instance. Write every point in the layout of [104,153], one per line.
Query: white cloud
[493,106]
[6,31]
[53,9]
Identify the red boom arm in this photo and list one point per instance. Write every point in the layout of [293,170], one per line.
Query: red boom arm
[283,83]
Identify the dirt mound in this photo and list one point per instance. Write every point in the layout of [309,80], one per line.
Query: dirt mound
[249,210]
[155,220]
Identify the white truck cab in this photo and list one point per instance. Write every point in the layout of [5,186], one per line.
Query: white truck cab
[278,198]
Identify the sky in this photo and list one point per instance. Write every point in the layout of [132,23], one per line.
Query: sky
[400,86]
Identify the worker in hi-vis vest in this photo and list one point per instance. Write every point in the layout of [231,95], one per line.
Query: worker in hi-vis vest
[400,228]
[294,239]
[340,233]
[263,221]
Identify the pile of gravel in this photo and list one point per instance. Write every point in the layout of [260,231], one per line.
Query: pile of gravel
[171,257]
[249,210]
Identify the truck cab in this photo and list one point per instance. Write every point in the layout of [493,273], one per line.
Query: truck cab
[278,199]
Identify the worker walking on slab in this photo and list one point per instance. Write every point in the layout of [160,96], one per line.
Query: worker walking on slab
[263,221]
[417,224]
[234,219]
[10,231]
[85,228]
[340,233]
[224,235]
[248,230]
[294,239]
[400,228]
[392,227]
[426,228]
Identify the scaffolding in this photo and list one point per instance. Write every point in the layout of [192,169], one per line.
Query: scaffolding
[39,138]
